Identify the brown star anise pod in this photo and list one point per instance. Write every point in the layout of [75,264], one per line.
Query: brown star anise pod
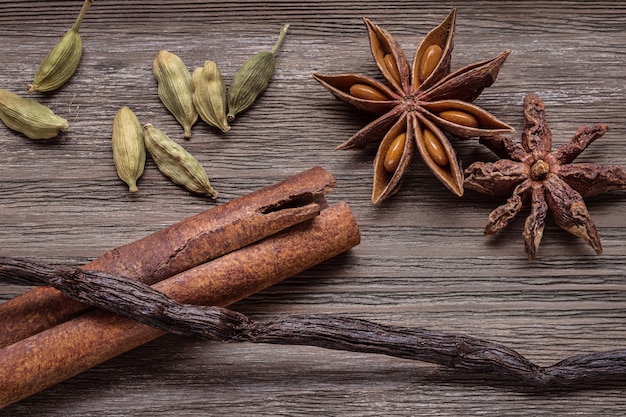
[422,102]
[547,179]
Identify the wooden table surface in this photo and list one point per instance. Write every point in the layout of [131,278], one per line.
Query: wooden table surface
[423,260]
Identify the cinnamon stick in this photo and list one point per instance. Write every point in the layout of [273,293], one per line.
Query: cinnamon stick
[186,244]
[67,349]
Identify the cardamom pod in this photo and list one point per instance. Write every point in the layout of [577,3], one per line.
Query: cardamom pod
[175,90]
[252,78]
[61,62]
[209,95]
[30,117]
[129,149]
[176,163]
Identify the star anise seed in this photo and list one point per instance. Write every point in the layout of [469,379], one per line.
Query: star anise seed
[422,102]
[547,179]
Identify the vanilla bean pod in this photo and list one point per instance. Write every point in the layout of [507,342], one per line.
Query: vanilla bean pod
[143,303]
[126,297]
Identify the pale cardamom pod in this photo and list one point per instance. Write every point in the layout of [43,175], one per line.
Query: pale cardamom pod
[176,163]
[30,117]
[129,149]
[175,90]
[61,62]
[209,95]
[252,78]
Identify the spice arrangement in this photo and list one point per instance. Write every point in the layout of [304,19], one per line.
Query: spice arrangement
[154,282]
[29,117]
[203,93]
[194,241]
[186,97]
[425,103]
[292,228]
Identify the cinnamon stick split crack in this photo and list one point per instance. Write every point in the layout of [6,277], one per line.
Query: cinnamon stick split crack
[143,303]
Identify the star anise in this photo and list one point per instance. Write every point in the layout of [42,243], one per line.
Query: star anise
[547,179]
[423,102]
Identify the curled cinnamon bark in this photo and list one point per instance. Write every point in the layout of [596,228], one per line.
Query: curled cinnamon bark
[65,350]
[179,247]
[141,302]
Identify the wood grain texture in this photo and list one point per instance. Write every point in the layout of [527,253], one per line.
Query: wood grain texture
[423,260]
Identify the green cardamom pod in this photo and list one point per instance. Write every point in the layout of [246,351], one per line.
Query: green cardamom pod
[209,95]
[176,163]
[30,117]
[175,89]
[252,78]
[129,149]
[61,62]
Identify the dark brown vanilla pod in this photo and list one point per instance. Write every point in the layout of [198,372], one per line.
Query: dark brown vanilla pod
[76,345]
[144,303]
[181,246]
